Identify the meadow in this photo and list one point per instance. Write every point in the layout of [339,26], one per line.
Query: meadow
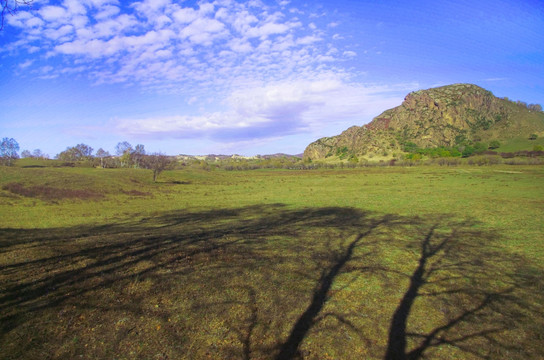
[366,263]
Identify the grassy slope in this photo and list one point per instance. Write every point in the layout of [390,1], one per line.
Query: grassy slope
[519,144]
[260,264]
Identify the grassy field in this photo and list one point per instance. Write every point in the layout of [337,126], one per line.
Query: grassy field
[372,263]
[519,144]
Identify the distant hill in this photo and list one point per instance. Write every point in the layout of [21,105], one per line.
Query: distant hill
[446,116]
[214,157]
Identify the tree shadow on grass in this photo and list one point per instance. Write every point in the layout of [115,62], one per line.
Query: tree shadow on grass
[267,282]
[472,293]
[339,260]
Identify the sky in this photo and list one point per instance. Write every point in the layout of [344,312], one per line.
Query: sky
[248,77]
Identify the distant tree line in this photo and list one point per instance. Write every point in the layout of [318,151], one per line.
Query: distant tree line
[36,154]
[127,156]
[532,107]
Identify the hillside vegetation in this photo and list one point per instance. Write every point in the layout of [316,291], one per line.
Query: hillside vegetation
[454,116]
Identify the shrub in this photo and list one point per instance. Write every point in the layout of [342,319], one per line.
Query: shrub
[516,161]
[448,161]
[494,144]
[353,159]
[485,160]
[342,152]
[410,147]
[467,151]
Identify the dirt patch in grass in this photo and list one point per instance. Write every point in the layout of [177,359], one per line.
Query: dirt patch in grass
[136,193]
[48,193]
[177,182]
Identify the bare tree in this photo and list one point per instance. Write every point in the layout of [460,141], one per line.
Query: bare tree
[123,150]
[85,152]
[137,155]
[38,154]
[101,154]
[10,7]
[157,163]
[8,151]
[535,107]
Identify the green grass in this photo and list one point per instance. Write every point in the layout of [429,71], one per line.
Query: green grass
[520,144]
[334,264]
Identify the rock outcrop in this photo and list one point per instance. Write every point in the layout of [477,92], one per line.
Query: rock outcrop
[443,116]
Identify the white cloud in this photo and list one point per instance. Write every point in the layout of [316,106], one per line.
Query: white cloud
[114,26]
[185,15]
[53,13]
[74,7]
[241,22]
[21,18]
[240,45]
[107,12]
[56,34]
[266,30]
[183,126]
[26,64]
[34,22]
[269,72]
[206,8]
[275,109]
[203,31]
[165,45]
[308,40]
[150,7]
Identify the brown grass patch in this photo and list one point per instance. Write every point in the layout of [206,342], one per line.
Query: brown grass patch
[49,193]
[136,193]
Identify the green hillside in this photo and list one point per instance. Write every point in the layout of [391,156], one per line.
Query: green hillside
[453,116]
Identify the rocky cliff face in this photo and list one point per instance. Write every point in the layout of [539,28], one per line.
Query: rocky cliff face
[440,116]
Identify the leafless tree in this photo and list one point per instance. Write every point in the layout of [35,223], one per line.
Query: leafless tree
[101,154]
[157,163]
[8,151]
[123,151]
[10,7]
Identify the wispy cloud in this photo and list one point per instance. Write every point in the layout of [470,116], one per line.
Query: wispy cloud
[495,79]
[277,109]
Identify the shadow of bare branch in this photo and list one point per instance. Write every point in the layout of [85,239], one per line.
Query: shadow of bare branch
[265,282]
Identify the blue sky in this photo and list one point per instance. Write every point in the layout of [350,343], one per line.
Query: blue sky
[248,77]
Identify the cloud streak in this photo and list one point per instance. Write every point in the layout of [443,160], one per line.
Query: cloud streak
[274,110]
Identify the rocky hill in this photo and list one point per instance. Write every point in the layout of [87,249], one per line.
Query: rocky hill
[444,116]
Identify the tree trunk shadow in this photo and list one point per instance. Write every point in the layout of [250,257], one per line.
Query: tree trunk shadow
[473,284]
[290,348]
